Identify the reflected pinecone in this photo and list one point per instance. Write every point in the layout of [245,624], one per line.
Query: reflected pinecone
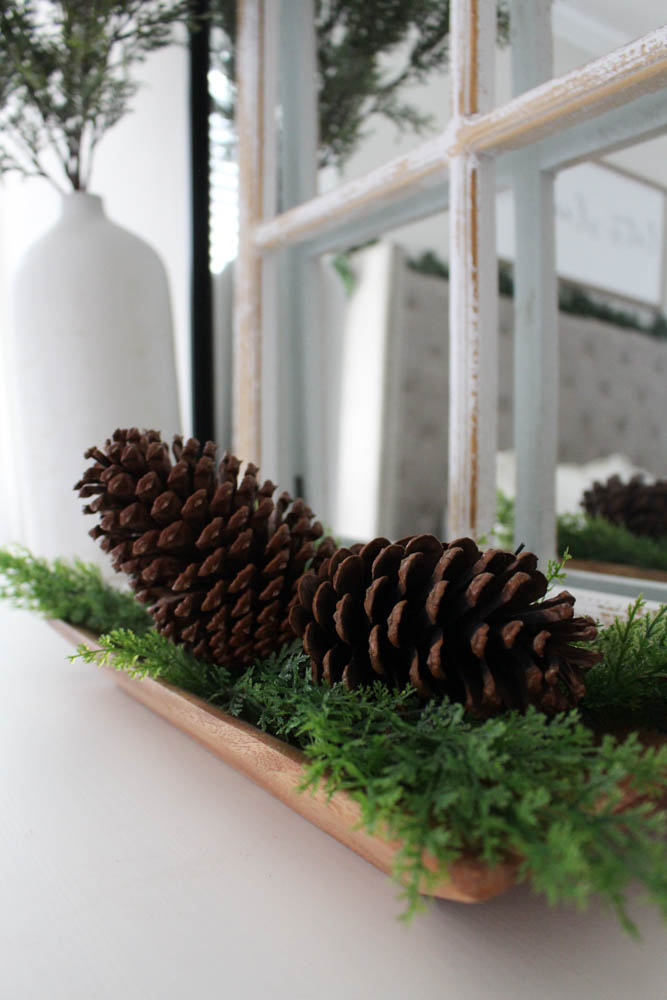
[638,506]
[216,559]
[449,620]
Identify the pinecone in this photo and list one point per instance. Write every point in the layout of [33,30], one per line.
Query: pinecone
[638,506]
[447,619]
[216,560]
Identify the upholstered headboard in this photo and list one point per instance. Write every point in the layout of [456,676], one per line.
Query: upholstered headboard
[613,397]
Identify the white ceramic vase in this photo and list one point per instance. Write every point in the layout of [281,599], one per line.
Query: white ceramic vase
[93,351]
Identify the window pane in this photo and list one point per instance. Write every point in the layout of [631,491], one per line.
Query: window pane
[582,32]
[592,28]
[614,363]
[380,94]
[389,346]
[612,350]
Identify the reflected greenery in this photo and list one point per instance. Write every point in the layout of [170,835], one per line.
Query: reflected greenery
[354,38]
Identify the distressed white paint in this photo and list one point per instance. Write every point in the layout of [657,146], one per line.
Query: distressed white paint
[271,347]
[391,182]
[550,115]
[641,119]
[268,53]
[301,374]
[535,301]
[274,441]
[473,306]
[246,412]
[343,226]
[380,219]
[603,606]
[595,89]
[605,83]
[535,359]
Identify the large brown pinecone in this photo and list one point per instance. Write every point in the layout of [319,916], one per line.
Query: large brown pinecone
[638,506]
[446,618]
[216,560]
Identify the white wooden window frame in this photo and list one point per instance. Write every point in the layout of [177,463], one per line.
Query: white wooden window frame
[550,124]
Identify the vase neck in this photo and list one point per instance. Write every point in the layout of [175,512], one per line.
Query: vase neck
[81,203]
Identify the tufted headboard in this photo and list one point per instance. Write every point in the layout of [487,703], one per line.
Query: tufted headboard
[613,397]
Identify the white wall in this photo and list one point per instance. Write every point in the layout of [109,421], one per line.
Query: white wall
[141,169]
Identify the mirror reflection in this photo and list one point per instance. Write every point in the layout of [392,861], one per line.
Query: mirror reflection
[384,315]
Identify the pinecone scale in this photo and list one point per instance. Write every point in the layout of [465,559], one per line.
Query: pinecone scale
[446,618]
[639,506]
[212,553]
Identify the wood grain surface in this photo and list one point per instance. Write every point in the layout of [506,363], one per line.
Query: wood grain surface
[279,769]
[617,569]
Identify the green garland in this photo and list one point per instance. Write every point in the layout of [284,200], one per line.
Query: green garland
[628,690]
[74,592]
[543,791]
[516,785]
[65,78]
[596,538]
[369,54]
[586,537]
[571,298]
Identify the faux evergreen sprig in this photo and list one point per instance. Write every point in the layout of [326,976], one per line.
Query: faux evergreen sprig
[72,591]
[354,40]
[65,77]
[515,786]
[151,655]
[545,792]
[596,538]
[628,689]
[586,537]
[572,298]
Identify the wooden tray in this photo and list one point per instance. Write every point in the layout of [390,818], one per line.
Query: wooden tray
[279,769]
[617,569]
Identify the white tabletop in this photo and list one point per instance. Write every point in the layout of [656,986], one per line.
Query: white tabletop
[135,864]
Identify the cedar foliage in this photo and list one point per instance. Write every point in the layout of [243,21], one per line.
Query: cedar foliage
[542,790]
[586,537]
[65,77]
[572,298]
[596,538]
[72,591]
[514,786]
[353,37]
[629,687]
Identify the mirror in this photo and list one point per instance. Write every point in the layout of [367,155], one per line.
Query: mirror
[383,321]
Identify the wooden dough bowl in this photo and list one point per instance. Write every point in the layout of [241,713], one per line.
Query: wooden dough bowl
[279,769]
[617,569]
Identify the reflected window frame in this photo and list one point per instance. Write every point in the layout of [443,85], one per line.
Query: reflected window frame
[549,124]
